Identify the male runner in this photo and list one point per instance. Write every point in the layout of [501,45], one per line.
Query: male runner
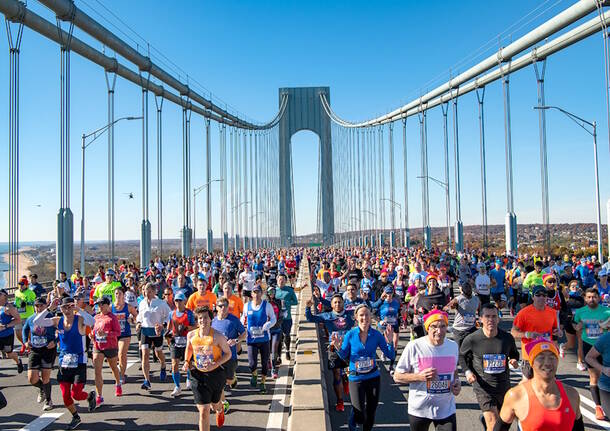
[9,320]
[182,321]
[24,301]
[484,357]
[286,295]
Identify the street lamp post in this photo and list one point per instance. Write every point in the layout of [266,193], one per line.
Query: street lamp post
[196,191]
[96,134]
[392,235]
[581,122]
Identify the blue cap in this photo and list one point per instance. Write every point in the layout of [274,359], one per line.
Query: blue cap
[538,288]
[180,297]
[110,271]
[388,289]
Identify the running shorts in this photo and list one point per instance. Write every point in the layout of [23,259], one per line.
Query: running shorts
[73,375]
[7,343]
[108,353]
[489,400]
[177,352]
[207,387]
[150,342]
[230,367]
[42,359]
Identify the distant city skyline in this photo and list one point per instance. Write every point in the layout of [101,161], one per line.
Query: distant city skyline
[373,56]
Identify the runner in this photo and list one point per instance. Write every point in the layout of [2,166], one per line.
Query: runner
[286,294]
[41,343]
[229,326]
[429,365]
[182,321]
[260,318]
[153,314]
[337,322]
[591,320]
[542,403]
[9,320]
[236,305]
[202,297]
[72,372]
[24,301]
[107,287]
[358,349]
[482,284]
[106,346]
[206,351]
[388,309]
[275,332]
[574,301]
[466,306]
[484,358]
[534,321]
[601,351]
[124,312]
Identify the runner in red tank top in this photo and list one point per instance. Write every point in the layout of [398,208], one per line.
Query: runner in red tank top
[542,403]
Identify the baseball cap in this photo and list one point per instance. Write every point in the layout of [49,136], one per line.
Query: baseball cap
[388,289]
[104,300]
[40,301]
[180,297]
[110,272]
[538,288]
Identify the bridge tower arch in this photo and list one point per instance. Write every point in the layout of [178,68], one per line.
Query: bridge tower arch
[304,111]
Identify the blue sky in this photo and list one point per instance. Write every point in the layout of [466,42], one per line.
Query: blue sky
[374,56]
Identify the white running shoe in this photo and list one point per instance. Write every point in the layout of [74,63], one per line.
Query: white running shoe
[188,384]
[48,405]
[177,391]
[581,367]
[562,350]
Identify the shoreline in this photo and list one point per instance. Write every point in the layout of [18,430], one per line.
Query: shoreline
[25,261]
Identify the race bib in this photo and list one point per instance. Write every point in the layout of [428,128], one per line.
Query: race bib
[21,310]
[389,320]
[100,338]
[69,360]
[203,360]
[364,365]
[440,386]
[469,318]
[38,341]
[494,363]
[257,332]
[593,330]
[180,341]
[122,324]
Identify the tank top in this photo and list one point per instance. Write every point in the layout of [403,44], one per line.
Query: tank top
[70,345]
[122,315]
[5,319]
[539,418]
[180,327]
[256,320]
[204,350]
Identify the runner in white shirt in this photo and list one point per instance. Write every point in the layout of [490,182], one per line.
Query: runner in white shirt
[482,284]
[429,365]
[247,279]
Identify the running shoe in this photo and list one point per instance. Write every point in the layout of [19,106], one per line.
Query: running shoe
[340,407]
[225,406]
[581,367]
[40,396]
[382,358]
[274,374]
[20,367]
[234,383]
[75,422]
[269,366]
[262,388]
[220,419]
[98,402]
[253,380]
[562,350]
[177,391]
[482,420]
[188,384]
[287,356]
[91,401]
[118,390]
[146,385]
[599,413]
[278,361]
[48,405]
[162,374]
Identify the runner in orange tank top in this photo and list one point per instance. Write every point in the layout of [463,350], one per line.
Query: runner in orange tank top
[542,403]
[206,351]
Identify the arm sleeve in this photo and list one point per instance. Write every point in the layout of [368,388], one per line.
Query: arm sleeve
[271,315]
[88,319]
[42,320]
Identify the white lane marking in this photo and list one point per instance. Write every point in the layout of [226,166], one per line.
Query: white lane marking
[131,362]
[276,412]
[42,422]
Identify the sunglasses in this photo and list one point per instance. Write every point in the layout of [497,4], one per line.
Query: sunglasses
[539,294]
[220,306]
[551,281]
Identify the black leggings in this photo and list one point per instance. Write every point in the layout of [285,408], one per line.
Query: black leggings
[253,350]
[364,396]
[605,399]
[423,424]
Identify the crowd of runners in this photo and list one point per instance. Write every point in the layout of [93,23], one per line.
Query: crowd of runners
[205,311]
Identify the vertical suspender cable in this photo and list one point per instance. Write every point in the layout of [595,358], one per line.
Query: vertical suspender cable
[159,105]
[407,234]
[459,232]
[481,98]
[208,195]
[110,85]
[544,170]
[445,108]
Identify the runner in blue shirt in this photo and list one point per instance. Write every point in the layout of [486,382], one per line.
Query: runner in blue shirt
[359,349]
[388,310]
